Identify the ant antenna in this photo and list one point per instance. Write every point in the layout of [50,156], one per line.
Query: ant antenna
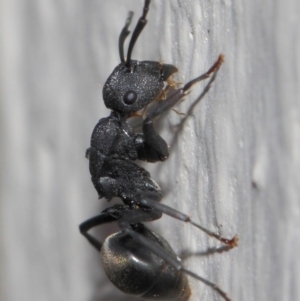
[138,29]
[123,35]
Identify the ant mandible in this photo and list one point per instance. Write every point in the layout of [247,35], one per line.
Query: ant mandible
[137,260]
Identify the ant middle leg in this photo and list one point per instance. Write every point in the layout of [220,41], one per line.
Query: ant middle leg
[186,253]
[145,200]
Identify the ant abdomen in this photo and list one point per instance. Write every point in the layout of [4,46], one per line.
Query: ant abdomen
[147,275]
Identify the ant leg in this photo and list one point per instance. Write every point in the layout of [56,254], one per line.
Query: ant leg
[140,215]
[145,215]
[189,112]
[108,215]
[152,138]
[84,227]
[147,201]
[180,93]
[185,254]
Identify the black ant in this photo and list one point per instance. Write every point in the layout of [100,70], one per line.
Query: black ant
[137,260]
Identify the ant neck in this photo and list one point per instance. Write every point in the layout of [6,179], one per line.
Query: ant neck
[119,115]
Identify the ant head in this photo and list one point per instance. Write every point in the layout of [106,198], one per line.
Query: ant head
[133,84]
[128,90]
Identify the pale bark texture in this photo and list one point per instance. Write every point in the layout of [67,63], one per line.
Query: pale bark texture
[234,164]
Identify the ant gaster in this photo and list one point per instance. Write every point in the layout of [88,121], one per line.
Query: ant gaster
[137,260]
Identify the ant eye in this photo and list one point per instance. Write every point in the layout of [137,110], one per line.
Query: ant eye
[130,97]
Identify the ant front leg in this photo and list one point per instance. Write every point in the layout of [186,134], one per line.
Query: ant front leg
[151,146]
[173,99]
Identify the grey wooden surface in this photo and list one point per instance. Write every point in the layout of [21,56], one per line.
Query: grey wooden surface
[234,167]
